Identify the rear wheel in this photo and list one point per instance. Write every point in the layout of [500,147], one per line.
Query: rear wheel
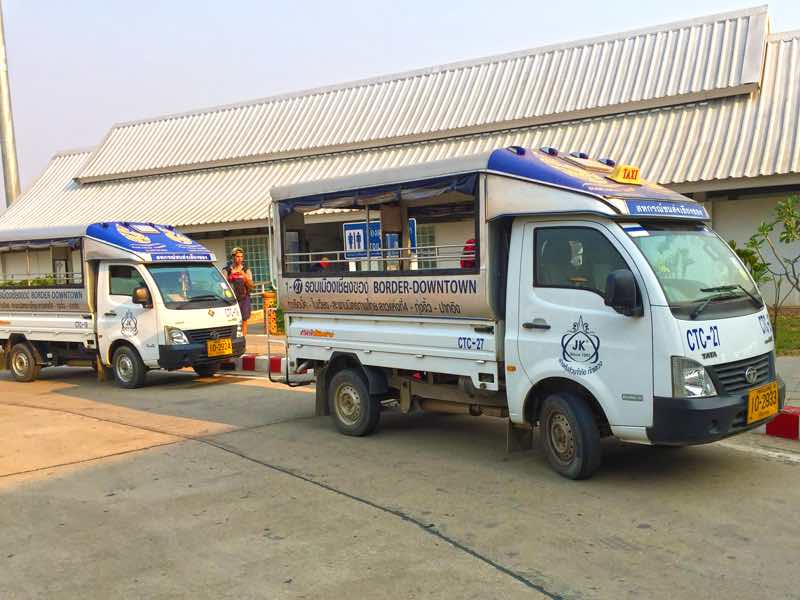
[129,370]
[354,411]
[570,436]
[22,363]
[206,370]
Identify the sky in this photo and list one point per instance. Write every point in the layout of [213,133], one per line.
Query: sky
[79,66]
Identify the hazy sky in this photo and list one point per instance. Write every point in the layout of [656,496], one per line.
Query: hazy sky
[78,66]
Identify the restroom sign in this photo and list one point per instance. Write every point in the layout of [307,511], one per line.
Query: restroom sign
[355,239]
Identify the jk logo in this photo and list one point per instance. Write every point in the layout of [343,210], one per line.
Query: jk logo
[580,344]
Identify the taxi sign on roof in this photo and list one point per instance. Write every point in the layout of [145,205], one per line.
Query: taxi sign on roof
[625,174]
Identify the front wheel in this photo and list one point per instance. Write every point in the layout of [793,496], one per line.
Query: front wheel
[129,370]
[354,411]
[23,363]
[570,436]
[206,370]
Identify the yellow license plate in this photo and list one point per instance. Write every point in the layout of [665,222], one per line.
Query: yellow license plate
[762,402]
[220,347]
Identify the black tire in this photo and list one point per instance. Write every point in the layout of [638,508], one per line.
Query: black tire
[354,411]
[206,370]
[129,370]
[570,437]
[22,363]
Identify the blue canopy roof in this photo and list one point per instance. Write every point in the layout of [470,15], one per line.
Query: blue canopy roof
[563,171]
[153,243]
[150,242]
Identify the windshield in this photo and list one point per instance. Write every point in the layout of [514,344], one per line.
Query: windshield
[695,268]
[191,286]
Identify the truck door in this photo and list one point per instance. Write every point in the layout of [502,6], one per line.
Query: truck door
[565,329]
[119,318]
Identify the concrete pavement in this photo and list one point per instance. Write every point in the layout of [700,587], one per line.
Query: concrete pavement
[229,487]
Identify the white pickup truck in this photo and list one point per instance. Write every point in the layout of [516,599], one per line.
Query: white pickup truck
[542,287]
[126,296]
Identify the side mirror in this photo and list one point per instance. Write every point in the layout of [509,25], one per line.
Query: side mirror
[622,293]
[141,295]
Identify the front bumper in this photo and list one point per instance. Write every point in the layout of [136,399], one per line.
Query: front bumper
[687,421]
[185,355]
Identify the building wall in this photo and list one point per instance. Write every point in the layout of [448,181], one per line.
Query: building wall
[16,263]
[738,219]
[217,246]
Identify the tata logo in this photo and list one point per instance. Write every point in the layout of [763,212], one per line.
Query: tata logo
[297,286]
[751,375]
[211,312]
[580,349]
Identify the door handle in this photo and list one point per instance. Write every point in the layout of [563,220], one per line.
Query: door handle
[110,313]
[536,324]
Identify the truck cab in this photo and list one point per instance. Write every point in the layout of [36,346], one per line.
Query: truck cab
[574,296]
[132,297]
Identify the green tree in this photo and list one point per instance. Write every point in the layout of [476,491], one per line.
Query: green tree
[776,261]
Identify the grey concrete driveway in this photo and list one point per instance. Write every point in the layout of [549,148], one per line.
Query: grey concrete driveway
[229,487]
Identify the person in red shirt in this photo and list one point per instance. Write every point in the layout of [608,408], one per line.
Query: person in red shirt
[241,279]
[468,255]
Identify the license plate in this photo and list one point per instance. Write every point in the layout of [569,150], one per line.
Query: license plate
[219,347]
[762,402]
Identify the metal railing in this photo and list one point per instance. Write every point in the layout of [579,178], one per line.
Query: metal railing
[25,280]
[386,255]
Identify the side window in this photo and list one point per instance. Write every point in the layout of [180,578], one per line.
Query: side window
[574,257]
[123,280]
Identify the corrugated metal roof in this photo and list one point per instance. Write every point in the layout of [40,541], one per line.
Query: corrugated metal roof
[713,56]
[751,136]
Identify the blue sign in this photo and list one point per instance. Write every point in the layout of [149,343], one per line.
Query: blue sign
[662,208]
[355,239]
[354,235]
[412,233]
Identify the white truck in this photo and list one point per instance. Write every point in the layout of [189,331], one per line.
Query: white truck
[129,297]
[546,288]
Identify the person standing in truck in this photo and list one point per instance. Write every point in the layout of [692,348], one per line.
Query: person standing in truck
[241,279]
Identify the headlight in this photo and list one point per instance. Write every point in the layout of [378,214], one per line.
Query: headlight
[239,329]
[175,336]
[690,379]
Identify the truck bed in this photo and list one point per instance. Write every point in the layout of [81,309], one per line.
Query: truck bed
[468,347]
[48,326]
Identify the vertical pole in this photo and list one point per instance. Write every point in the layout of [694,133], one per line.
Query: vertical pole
[8,144]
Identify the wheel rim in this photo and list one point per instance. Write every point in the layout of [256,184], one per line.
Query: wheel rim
[125,368]
[561,438]
[20,364]
[348,404]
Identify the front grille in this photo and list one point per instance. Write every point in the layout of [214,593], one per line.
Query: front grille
[202,335]
[729,377]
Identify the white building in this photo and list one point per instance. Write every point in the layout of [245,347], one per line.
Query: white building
[709,107]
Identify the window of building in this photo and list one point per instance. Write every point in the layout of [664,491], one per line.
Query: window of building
[46,264]
[426,246]
[574,257]
[123,280]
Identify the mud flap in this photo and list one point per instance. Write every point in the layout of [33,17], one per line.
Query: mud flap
[321,408]
[518,437]
[103,372]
